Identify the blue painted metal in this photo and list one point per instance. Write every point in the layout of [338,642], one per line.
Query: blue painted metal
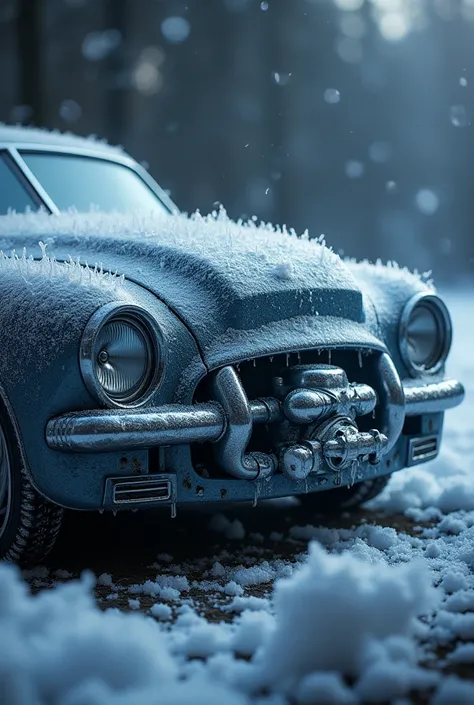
[237,318]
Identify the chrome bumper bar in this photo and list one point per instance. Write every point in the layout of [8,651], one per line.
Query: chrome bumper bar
[131,429]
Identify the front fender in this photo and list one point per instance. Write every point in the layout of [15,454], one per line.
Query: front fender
[387,289]
[43,312]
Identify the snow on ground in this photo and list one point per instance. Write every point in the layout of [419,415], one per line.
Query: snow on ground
[382,611]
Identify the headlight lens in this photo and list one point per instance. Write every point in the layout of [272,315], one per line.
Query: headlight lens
[121,355]
[425,333]
[123,359]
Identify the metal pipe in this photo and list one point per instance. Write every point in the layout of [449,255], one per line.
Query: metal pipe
[306,406]
[391,400]
[231,450]
[265,410]
[131,429]
[430,398]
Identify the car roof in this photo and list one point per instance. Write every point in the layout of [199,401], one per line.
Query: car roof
[13,135]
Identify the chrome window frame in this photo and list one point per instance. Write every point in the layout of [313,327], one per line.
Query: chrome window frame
[10,157]
[15,149]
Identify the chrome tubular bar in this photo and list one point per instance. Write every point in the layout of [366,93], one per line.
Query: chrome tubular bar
[430,398]
[132,429]
[229,428]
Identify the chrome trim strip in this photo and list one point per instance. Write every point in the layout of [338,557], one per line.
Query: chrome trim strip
[433,397]
[33,182]
[95,153]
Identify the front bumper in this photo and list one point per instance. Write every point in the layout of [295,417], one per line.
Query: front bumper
[122,429]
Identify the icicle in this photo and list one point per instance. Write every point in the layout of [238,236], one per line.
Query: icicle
[287,359]
[353,472]
[258,487]
[359,355]
[299,357]
[329,357]
[306,488]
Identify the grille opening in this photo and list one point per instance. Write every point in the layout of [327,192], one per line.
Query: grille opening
[143,490]
[256,376]
[422,449]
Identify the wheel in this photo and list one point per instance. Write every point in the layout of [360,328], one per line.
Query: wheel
[343,498]
[29,524]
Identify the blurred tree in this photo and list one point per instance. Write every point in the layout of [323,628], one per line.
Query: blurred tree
[117,81]
[30,61]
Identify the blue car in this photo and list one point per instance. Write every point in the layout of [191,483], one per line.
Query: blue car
[149,358]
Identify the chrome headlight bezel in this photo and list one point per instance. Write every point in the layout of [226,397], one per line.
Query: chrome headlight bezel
[148,328]
[440,313]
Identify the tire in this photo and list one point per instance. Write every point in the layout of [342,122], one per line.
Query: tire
[344,498]
[29,524]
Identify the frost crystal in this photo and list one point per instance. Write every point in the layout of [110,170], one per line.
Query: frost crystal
[72,270]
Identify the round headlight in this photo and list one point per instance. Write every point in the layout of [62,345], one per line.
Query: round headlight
[425,333]
[120,355]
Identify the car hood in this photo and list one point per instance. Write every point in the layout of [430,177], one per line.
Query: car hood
[227,282]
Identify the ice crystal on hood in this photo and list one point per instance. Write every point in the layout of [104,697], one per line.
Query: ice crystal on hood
[72,270]
[277,248]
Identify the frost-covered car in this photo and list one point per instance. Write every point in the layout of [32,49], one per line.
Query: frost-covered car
[154,359]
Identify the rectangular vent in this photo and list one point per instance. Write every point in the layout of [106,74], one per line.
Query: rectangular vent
[420,450]
[149,489]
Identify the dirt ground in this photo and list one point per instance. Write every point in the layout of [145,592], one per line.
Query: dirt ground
[135,547]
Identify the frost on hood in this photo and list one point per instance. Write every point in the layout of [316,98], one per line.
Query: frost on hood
[279,249]
[392,271]
[276,251]
[72,270]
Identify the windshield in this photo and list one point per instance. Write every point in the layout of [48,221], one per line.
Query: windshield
[85,183]
[13,195]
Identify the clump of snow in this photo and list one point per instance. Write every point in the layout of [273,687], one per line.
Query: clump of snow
[284,270]
[161,611]
[454,690]
[335,608]
[105,579]
[231,588]
[324,689]
[57,645]
[231,529]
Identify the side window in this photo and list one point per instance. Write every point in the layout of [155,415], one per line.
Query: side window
[13,194]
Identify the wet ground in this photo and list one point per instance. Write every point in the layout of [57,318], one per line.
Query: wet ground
[133,547]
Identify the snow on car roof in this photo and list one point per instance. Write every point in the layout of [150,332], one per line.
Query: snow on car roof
[17,134]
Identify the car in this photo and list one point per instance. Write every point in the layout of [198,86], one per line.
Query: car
[150,358]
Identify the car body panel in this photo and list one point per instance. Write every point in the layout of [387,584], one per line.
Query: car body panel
[222,293]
